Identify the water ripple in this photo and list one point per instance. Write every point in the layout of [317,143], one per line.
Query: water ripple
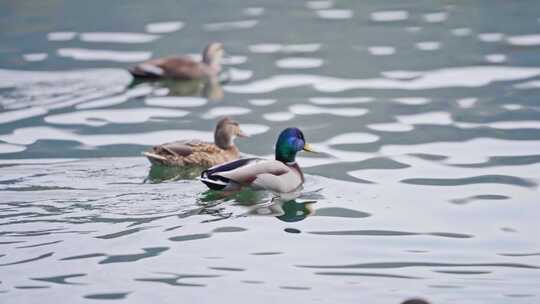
[395,265]
[61,279]
[469,77]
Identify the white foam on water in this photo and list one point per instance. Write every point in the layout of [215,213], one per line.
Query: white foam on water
[7,148]
[225,26]
[161,92]
[340,100]
[429,118]
[140,91]
[60,89]
[468,77]
[301,48]
[435,17]
[420,168]
[490,37]
[401,75]
[278,116]
[12,116]
[390,127]
[352,138]
[467,103]
[461,32]
[262,102]
[268,48]
[413,101]
[97,118]
[117,37]
[254,129]
[103,55]
[503,125]
[239,74]
[470,151]
[176,102]
[253,11]
[317,5]
[495,58]
[61,36]
[335,14]
[103,102]
[512,107]
[428,45]
[164,27]
[299,63]
[337,155]
[389,16]
[34,57]
[225,111]
[265,48]
[524,40]
[305,109]
[381,50]
[14,78]
[232,60]
[29,135]
[534,84]
[413,29]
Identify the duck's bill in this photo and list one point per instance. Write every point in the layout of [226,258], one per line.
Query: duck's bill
[309,148]
[242,134]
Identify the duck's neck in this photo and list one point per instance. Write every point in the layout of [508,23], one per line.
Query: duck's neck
[285,154]
[223,140]
[213,61]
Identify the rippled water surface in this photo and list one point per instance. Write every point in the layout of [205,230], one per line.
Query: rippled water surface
[426,114]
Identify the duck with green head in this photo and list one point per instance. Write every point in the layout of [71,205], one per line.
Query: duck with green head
[282,175]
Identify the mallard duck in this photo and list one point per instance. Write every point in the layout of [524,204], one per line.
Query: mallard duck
[198,153]
[282,175]
[182,67]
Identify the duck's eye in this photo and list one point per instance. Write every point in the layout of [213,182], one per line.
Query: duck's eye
[300,144]
[301,135]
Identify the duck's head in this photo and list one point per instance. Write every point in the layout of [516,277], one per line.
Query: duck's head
[226,131]
[213,54]
[290,142]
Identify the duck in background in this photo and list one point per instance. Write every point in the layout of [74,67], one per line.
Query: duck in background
[281,176]
[194,152]
[415,301]
[183,67]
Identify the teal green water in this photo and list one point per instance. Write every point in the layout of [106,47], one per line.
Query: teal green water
[426,115]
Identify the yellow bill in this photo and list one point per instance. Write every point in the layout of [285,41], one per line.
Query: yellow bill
[309,148]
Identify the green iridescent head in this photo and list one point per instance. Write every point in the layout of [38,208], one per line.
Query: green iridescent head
[290,142]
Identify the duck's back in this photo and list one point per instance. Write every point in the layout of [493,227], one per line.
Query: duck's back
[171,67]
[191,152]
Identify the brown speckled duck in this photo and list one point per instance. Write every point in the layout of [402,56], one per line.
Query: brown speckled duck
[198,153]
[182,67]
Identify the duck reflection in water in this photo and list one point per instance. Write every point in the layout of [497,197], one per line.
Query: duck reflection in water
[284,210]
[292,207]
[183,76]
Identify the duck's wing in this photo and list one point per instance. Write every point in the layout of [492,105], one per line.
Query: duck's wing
[248,173]
[179,148]
[149,69]
[242,172]
[174,67]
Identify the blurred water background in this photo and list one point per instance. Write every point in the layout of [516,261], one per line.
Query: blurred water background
[427,115]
